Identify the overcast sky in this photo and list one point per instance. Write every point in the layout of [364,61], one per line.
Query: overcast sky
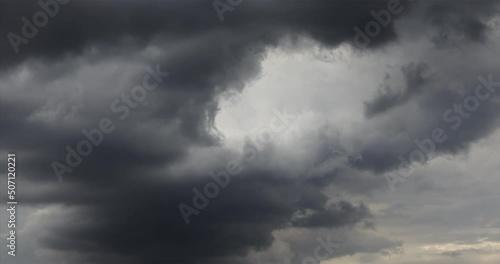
[247,131]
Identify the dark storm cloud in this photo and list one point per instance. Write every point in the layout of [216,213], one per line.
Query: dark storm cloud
[456,24]
[126,204]
[438,105]
[80,23]
[220,55]
[144,209]
[124,197]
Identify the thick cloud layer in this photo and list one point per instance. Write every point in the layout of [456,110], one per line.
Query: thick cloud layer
[122,202]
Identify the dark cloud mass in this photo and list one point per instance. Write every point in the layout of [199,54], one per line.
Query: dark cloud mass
[88,22]
[122,203]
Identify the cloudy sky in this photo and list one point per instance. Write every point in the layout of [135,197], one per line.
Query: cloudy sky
[251,131]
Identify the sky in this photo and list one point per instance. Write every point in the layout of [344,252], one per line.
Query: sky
[251,131]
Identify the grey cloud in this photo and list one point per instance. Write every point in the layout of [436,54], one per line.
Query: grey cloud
[414,74]
[123,199]
[460,23]
[340,214]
